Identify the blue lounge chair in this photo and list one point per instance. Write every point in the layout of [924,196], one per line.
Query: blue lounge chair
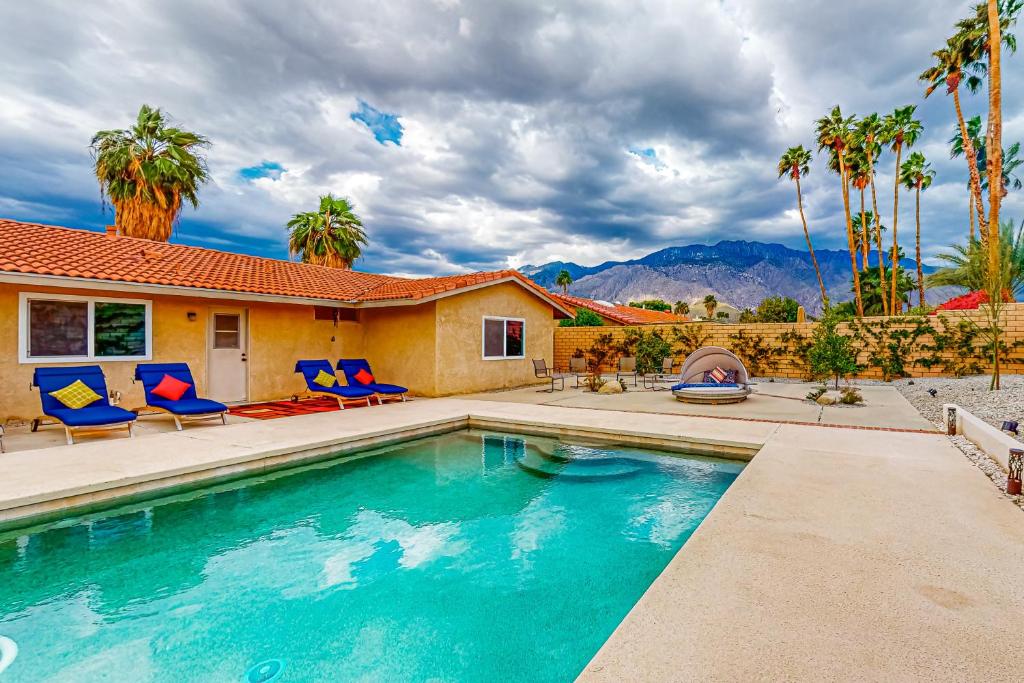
[311,368]
[98,416]
[352,366]
[189,406]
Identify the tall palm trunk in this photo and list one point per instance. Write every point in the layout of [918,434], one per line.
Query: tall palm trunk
[865,241]
[994,156]
[849,233]
[807,236]
[878,232]
[894,306]
[972,164]
[920,269]
[970,213]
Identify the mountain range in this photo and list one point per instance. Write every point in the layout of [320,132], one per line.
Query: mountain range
[737,272]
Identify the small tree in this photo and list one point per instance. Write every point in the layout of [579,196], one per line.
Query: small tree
[563,280]
[777,309]
[831,354]
[710,304]
[681,308]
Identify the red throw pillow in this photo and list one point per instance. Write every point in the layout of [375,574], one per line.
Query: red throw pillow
[170,388]
[363,377]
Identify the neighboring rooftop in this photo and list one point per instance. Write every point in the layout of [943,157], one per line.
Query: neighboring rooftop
[36,249]
[625,315]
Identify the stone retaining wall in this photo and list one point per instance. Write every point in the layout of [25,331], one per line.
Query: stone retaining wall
[783,338]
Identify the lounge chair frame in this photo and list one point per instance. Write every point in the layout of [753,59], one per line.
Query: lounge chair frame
[70,431]
[578,368]
[342,400]
[178,419]
[352,382]
[655,380]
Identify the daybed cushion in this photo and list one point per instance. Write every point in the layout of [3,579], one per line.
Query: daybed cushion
[170,388]
[387,388]
[76,395]
[87,417]
[705,385]
[191,406]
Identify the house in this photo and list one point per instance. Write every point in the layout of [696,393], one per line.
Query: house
[618,315]
[77,296]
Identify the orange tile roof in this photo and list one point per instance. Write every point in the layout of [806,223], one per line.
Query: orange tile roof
[38,249]
[625,315]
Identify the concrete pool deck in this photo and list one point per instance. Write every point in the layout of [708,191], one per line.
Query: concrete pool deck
[838,553]
[783,402]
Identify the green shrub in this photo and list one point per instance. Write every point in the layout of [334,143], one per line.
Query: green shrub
[584,318]
[649,347]
[777,309]
[850,396]
[816,393]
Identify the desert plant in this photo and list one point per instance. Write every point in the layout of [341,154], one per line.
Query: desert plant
[831,354]
[850,396]
[816,393]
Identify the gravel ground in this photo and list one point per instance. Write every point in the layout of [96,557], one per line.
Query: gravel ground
[971,393]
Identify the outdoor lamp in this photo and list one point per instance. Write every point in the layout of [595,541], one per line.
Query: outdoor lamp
[1013,468]
[932,392]
[1009,426]
[191,315]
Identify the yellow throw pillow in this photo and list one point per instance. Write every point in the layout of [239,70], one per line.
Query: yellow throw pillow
[76,395]
[324,379]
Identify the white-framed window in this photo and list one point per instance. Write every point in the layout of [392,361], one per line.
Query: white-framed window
[63,328]
[504,338]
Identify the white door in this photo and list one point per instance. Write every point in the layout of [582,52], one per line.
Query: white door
[228,355]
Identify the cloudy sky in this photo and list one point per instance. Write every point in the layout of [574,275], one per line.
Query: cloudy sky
[480,135]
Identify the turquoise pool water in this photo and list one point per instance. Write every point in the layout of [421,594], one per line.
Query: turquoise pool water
[463,557]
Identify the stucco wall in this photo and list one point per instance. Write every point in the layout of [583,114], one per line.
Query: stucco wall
[461,367]
[278,335]
[399,343]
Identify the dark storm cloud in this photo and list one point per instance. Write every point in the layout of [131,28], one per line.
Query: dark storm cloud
[517,118]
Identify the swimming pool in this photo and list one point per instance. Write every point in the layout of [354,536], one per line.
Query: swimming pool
[465,556]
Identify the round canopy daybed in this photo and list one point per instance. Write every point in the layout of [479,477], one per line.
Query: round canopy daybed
[693,388]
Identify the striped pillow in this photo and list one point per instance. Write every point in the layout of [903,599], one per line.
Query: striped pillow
[720,376]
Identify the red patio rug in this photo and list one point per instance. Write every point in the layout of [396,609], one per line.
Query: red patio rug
[275,409]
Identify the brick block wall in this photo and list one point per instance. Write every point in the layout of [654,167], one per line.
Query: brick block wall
[569,339]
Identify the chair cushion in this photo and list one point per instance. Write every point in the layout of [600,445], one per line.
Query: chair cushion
[76,395]
[170,388]
[349,392]
[191,406]
[94,416]
[324,379]
[387,388]
[363,377]
[705,385]
[720,376]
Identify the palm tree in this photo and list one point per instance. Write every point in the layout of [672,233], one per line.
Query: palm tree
[858,172]
[959,145]
[868,132]
[950,63]
[710,304]
[563,280]
[796,162]
[330,236]
[681,308]
[875,296]
[916,174]
[834,133]
[967,266]
[146,171]
[900,129]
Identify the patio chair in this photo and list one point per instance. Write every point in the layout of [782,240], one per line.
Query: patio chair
[358,374]
[654,380]
[161,382]
[627,368]
[82,383]
[311,370]
[541,370]
[698,377]
[578,368]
